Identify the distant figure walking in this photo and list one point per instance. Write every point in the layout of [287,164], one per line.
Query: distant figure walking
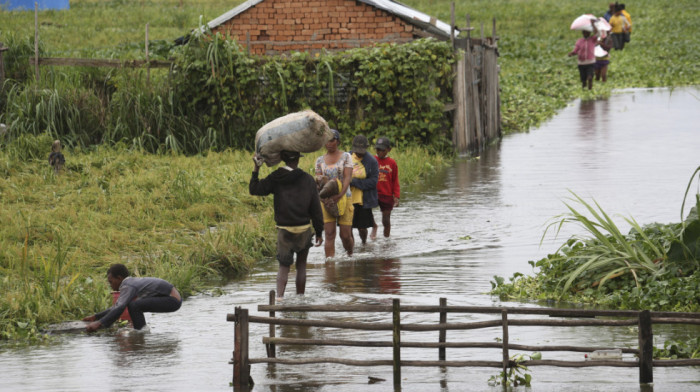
[620,27]
[56,158]
[365,174]
[388,188]
[297,215]
[602,62]
[139,295]
[585,50]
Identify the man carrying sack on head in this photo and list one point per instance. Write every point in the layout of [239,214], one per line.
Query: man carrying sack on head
[297,214]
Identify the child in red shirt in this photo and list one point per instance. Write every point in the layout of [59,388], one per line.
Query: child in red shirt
[388,188]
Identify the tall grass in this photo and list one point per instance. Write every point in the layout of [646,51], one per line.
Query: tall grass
[189,220]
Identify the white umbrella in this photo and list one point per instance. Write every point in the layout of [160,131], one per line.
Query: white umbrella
[583,22]
[602,25]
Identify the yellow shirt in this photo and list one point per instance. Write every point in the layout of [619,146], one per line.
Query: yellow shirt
[358,171]
[617,23]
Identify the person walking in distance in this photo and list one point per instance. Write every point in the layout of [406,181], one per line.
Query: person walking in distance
[388,188]
[363,186]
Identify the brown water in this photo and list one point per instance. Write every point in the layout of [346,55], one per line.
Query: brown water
[633,153]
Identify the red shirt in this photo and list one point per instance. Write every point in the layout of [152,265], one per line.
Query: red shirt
[388,183]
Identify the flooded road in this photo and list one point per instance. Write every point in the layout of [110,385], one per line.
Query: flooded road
[633,153]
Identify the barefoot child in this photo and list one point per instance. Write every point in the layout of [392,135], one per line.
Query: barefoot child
[388,187]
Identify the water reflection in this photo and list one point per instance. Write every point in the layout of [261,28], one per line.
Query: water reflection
[132,348]
[381,276]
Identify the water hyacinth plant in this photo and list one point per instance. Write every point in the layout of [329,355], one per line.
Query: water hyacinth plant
[652,267]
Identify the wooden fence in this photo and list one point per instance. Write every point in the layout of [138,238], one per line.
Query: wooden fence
[642,319]
[477,99]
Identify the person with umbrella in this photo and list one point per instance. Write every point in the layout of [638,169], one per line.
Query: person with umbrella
[585,50]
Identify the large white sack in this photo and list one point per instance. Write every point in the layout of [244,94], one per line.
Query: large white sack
[303,131]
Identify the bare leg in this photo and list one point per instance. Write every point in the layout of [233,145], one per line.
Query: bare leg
[347,239]
[373,234]
[386,222]
[363,235]
[301,271]
[282,276]
[329,245]
[604,73]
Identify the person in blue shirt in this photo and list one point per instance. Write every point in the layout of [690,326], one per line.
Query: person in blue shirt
[139,295]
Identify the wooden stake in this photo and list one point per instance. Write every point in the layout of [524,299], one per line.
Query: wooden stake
[2,67]
[148,65]
[452,25]
[506,357]
[271,352]
[443,332]
[396,313]
[646,348]
[36,41]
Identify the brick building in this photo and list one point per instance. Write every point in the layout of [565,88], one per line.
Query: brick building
[275,26]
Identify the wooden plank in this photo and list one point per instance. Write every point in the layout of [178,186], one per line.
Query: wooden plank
[676,362]
[552,362]
[396,333]
[367,343]
[379,362]
[646,348]
[79,62]
[459,116]
[476,309]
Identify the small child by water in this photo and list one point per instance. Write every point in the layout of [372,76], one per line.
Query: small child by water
[388,188]
[585,49]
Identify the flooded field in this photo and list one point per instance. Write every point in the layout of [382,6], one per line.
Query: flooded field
[633,153]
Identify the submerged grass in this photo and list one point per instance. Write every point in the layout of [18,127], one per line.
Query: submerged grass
[186,219]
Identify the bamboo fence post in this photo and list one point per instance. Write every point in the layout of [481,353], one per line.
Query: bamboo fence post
[493,31]
[396,313]
[271,346]
[452,25]
[646,350]
[443,332]
[2,67]
[506,357]
[36,41]
[148,64]
[241,363]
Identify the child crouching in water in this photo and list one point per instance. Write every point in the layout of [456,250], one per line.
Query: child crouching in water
[388,188]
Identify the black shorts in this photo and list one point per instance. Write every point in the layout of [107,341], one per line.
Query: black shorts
[386,202]
[363,218]
[586,71]
[290,243]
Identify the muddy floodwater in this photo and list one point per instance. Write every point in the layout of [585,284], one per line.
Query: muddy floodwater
[633,153]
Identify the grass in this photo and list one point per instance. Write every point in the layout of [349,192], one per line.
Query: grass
[189,220]
[154,212]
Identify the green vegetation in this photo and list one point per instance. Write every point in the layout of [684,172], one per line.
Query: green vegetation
[518,375]
[653,267]
[189,220]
